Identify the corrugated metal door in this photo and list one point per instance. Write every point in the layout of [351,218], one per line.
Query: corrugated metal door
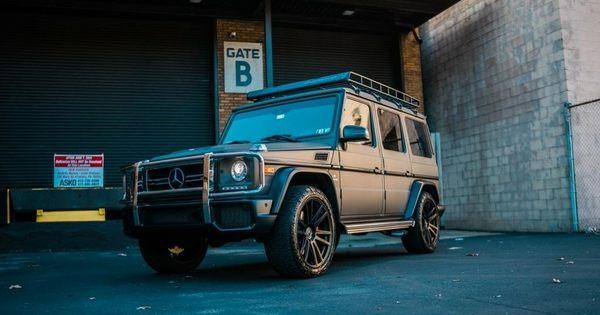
[128,88]
[302,53]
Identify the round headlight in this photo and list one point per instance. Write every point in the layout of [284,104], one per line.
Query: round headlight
[239,170]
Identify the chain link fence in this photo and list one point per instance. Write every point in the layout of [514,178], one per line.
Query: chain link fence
[585,127]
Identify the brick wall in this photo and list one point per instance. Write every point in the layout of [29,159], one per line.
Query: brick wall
[494,84]
[410,61]
[246,31]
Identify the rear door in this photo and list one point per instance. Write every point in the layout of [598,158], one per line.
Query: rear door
[396,161]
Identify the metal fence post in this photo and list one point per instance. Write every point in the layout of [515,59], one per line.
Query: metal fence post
[571,161]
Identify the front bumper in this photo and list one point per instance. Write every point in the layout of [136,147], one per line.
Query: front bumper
[243,213]
[240,216]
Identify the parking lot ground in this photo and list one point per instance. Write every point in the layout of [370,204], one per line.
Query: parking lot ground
[470,273]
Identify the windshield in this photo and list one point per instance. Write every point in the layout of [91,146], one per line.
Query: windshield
[289,122]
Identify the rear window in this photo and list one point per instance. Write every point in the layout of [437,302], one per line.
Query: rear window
[391,131]
[418,138]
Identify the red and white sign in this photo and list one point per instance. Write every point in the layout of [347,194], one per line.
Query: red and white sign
[78,170]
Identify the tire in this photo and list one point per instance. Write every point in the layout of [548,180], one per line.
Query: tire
[304,237]
[173,254]
[423,238]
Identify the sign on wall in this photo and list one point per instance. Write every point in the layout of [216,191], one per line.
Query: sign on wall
[243,67]
[78,170]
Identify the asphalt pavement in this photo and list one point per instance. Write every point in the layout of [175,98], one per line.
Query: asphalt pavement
[470,273]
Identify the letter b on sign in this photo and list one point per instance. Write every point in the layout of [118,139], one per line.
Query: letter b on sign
[243,77]
[243,67]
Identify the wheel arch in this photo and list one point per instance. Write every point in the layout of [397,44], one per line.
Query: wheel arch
[417,187]
[320,179]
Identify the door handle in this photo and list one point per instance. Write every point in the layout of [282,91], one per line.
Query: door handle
[376,170]
[409,173]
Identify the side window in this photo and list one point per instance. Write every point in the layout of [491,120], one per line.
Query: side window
[391,132]
[357,114]
[418,138]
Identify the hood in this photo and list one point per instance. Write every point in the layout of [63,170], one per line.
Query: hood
[244,147]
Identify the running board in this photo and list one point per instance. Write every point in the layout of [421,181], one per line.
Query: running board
[356,228]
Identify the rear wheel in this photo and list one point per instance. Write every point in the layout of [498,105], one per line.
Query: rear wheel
[424,236]
[304,236]
[171,254]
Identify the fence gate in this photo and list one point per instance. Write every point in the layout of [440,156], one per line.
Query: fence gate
[585,126]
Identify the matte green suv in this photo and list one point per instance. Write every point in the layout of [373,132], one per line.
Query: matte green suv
[300,165]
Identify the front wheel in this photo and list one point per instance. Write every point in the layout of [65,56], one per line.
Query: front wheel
[424,236]
[173,254]
[304,237]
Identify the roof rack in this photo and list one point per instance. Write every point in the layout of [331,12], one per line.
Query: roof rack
[357,82]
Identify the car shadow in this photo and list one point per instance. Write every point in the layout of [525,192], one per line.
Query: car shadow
[256,269]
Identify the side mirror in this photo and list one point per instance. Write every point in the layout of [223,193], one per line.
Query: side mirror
[353,133]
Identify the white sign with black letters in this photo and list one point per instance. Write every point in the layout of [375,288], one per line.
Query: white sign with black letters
[243,67]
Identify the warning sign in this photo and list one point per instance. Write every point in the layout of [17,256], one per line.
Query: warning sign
[78,170]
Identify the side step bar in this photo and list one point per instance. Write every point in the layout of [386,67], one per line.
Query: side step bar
[356,228]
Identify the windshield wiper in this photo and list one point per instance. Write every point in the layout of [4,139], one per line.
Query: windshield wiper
[237,142]
[287,138]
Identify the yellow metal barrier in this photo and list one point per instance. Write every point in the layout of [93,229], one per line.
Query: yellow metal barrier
[70,216]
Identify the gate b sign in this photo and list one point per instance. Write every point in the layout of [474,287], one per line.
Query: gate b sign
[243,67]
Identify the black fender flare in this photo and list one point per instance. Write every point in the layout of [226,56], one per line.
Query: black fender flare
[415,192]
[281,182]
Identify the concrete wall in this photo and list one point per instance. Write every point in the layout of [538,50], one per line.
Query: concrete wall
[580,21]
[581,40]
[494,85]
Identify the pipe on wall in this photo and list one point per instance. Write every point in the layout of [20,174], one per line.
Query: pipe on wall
[571,162]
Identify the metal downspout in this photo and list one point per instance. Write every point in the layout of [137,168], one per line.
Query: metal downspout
[571,161]
[215,61]
[268,43]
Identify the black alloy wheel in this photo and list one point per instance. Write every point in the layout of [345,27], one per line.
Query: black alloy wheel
[304,237]
[430,221]
[424,236]
[314,230]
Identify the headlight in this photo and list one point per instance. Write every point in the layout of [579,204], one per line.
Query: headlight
[239,170]
[237,173]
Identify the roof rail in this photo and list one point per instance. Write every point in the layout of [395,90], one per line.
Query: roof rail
[357,82]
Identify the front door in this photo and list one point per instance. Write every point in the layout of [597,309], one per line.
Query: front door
[361,173]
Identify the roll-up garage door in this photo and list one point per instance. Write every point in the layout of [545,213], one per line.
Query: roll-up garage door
[129,88]
[302,53]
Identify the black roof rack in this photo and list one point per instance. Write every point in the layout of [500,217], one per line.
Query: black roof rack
[357,82]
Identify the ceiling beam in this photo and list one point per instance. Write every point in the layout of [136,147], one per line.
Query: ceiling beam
[430,7]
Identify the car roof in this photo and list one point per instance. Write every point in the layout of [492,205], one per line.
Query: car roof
[357,84]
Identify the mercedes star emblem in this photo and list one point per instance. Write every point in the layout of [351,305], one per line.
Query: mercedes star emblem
[176,178]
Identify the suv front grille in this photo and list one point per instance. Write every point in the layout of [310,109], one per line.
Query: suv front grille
[188,176]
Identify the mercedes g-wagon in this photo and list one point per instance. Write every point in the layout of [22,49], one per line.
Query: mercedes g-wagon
[302,164]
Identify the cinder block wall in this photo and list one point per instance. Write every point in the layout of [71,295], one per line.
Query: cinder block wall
[580,21]
[494,84]
[246,31]
[581,40]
